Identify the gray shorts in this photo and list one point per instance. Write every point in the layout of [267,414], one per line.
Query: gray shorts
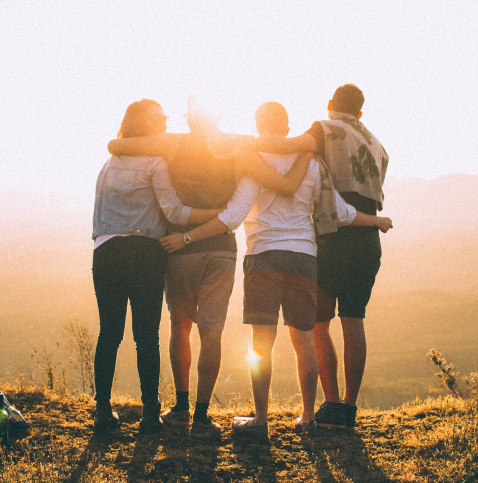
[198,287]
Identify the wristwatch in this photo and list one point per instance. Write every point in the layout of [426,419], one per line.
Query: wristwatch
[187,238]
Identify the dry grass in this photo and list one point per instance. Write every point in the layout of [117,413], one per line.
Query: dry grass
[434,441]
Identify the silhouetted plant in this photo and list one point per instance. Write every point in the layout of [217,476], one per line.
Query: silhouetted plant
[81,344]
[451,379]
[45,363]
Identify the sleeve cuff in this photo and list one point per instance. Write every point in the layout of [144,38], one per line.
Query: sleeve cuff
[351,214]
[184,216]
[224,218]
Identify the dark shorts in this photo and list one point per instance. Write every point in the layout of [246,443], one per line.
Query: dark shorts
[348,262]
[278,277]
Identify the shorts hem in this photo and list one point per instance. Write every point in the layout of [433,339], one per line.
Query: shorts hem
[322,320]
[362,316]
[258,321]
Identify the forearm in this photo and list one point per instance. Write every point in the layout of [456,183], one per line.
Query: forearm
[140,146]
[253,165]
[198,216]
[278,144]
[296,174]
[174,242]
[361,219]
[211,228]
[383,223]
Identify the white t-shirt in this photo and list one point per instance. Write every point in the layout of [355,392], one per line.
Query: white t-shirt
[276,222]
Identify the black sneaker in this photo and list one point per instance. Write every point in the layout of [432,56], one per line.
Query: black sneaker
[105,418]
[151,422]
[176,418]
[350,414]
[331,415]
[206,430]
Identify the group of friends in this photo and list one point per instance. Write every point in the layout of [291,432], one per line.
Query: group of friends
[166,208]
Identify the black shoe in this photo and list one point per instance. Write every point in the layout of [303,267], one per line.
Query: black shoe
[350,415]
[331,415]
[151,422]
[206,429]
[176,418]
[105,418]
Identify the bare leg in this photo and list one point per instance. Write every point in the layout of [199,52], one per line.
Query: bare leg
[308,368]
[328,363]
[209,363]
[263,338]
[180,353]
[355,355]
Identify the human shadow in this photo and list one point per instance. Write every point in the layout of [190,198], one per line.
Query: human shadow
[183,457]
[143,463]
[255,456]
[344,453]
[93,454]
[203,459]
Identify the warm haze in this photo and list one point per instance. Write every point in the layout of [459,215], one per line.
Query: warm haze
[70,70]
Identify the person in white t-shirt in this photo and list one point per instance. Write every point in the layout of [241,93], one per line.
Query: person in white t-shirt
[280,269]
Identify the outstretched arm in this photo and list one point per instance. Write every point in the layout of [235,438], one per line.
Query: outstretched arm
[279,144]
[164,144]
[228,220]
[253,165]
[198,216]
[381,222]
[348,215]
[174,242]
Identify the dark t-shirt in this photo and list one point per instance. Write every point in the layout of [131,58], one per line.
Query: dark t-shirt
[203,180]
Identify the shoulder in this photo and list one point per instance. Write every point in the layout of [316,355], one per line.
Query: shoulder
[316,129]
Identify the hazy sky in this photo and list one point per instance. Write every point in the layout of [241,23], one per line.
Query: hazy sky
[70,69]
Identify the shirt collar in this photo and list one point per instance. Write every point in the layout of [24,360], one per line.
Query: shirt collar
[338,115]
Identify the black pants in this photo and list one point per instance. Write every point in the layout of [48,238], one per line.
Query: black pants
[131,268]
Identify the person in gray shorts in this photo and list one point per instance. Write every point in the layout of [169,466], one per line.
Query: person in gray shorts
[200,278]
[280,269]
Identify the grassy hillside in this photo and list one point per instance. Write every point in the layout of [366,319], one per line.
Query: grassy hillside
[433,441]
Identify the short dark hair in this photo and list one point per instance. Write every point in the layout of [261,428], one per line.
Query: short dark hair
[134,117]
[272,117]
[349,99]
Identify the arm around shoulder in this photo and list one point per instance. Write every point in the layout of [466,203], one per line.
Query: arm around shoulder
[279,144]
[163,144]
[253,165]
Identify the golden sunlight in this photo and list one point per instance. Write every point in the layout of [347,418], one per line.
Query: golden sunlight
[253,358]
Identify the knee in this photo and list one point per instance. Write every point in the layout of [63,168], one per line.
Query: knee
[181,329]
[110,338]
[210,337]
[147,342]
[263,338]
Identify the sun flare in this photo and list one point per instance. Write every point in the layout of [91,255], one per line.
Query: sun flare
[253,358]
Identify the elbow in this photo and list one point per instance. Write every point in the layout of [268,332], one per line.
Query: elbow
[286,191]
[111,147]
